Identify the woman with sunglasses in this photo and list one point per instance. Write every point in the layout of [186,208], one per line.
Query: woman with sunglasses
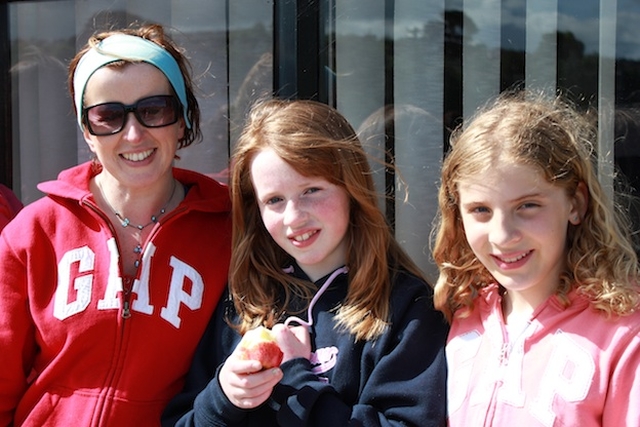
[108,282]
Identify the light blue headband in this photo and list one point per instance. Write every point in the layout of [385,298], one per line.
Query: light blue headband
[129,48]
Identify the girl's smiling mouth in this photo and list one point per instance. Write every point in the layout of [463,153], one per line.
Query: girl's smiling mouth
[513,261]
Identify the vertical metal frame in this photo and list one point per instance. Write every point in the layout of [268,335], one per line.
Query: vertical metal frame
[6,164]
[296,45]
[327,52]
[389,99]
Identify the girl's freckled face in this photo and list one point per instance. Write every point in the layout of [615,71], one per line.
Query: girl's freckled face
[516,224]
[308,217]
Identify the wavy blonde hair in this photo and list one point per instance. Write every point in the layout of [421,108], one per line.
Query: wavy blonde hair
[319,142]
[552,136]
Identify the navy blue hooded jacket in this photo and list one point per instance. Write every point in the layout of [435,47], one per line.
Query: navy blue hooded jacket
[398,379]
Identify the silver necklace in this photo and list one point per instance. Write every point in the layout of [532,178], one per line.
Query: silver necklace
[126,222]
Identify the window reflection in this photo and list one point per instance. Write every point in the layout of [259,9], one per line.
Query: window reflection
[447,58]
[385,58]
[222,45]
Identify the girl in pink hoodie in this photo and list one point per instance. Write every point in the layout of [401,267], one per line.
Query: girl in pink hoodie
[537,275]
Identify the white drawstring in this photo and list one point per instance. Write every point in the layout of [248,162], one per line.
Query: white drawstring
[315,298]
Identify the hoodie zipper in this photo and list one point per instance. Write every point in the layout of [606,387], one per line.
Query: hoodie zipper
[127,284]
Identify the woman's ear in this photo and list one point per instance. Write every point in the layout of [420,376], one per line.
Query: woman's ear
[181,129]
[87,137]
[580,203]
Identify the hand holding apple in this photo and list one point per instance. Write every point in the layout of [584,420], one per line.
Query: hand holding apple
[260,344]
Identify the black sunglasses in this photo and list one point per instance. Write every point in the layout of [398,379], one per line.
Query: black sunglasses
[152,112]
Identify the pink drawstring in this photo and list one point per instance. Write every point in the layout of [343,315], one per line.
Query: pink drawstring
[316,297]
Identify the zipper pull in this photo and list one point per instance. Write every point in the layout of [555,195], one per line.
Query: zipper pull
[126,313]
[505,351]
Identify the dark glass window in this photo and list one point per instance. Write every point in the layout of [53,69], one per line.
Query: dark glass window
[404,72]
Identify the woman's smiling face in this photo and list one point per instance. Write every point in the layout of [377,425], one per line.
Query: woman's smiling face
[137,155]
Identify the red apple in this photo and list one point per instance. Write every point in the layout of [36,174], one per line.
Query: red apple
[259,344]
